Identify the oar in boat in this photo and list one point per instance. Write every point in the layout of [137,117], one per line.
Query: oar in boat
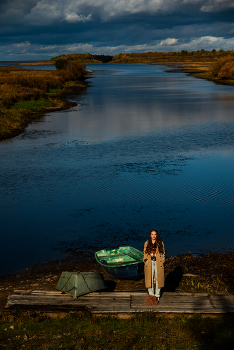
[127,252]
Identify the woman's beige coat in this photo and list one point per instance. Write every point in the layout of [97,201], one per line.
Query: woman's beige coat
[160,258]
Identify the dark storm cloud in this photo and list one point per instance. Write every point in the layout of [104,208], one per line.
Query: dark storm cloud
[48,27]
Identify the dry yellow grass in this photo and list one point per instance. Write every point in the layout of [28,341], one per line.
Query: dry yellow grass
[25,92]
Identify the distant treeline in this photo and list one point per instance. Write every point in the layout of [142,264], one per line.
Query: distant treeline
[103,58]
[183,55]
[148,57]
[84,58]
[222,62]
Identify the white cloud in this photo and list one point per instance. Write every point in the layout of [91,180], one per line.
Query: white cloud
[208,42]
[44,13]
[217,5]
[169,42]
[77,48]
[26,43]
[48,48]
[73,18]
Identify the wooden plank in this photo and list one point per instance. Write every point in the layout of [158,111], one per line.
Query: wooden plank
[179,295]
[223,303]
[110,293]
[176,310]
[178,299]
[137,300]
[228,298]
[113,294]
[120,302]
[187,302]
[64,298]
[89,295]
[115,312]
[41,296]
[41,302]
[131,290]
[63,301]
[107,294]
[45,298]
[181,302]
[30,291]
[49,302]
[184,294]
[48,308]
[181,306]
[103,303]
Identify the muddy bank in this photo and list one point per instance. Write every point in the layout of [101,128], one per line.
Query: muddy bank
[212,273]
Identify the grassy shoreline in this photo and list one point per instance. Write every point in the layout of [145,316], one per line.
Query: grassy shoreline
[33,110]
[27,94]
[201,70]
[211,273]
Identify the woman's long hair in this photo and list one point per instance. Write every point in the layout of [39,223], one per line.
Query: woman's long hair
[158,242]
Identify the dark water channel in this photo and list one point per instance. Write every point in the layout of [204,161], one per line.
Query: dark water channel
[143,149]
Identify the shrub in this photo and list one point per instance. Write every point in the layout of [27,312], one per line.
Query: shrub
[223,68]
[227,71]
[60,63]
[73,71]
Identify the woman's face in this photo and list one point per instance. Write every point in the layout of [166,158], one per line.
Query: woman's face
[153,235]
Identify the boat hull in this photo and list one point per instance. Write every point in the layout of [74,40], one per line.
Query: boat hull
[80,283]
[133,271]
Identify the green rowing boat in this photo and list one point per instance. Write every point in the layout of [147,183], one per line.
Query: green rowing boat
[124,262]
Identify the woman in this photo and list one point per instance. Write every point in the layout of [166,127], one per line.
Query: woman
[154,257]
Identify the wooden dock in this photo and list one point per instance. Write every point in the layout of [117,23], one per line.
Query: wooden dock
[119,302]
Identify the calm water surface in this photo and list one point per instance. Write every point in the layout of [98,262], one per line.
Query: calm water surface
[143,149]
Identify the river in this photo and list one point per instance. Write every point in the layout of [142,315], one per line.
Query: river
[143,149]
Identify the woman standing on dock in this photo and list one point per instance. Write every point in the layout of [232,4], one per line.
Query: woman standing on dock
[154,257]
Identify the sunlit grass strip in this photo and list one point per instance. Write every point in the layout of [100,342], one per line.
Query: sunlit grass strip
[34,105]
[141,331]
[203,285]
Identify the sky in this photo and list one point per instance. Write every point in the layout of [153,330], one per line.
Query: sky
[41,29]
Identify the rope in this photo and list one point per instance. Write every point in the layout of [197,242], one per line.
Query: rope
[84,281]
[77,273]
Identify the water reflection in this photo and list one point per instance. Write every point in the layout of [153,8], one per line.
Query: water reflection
[123,104]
